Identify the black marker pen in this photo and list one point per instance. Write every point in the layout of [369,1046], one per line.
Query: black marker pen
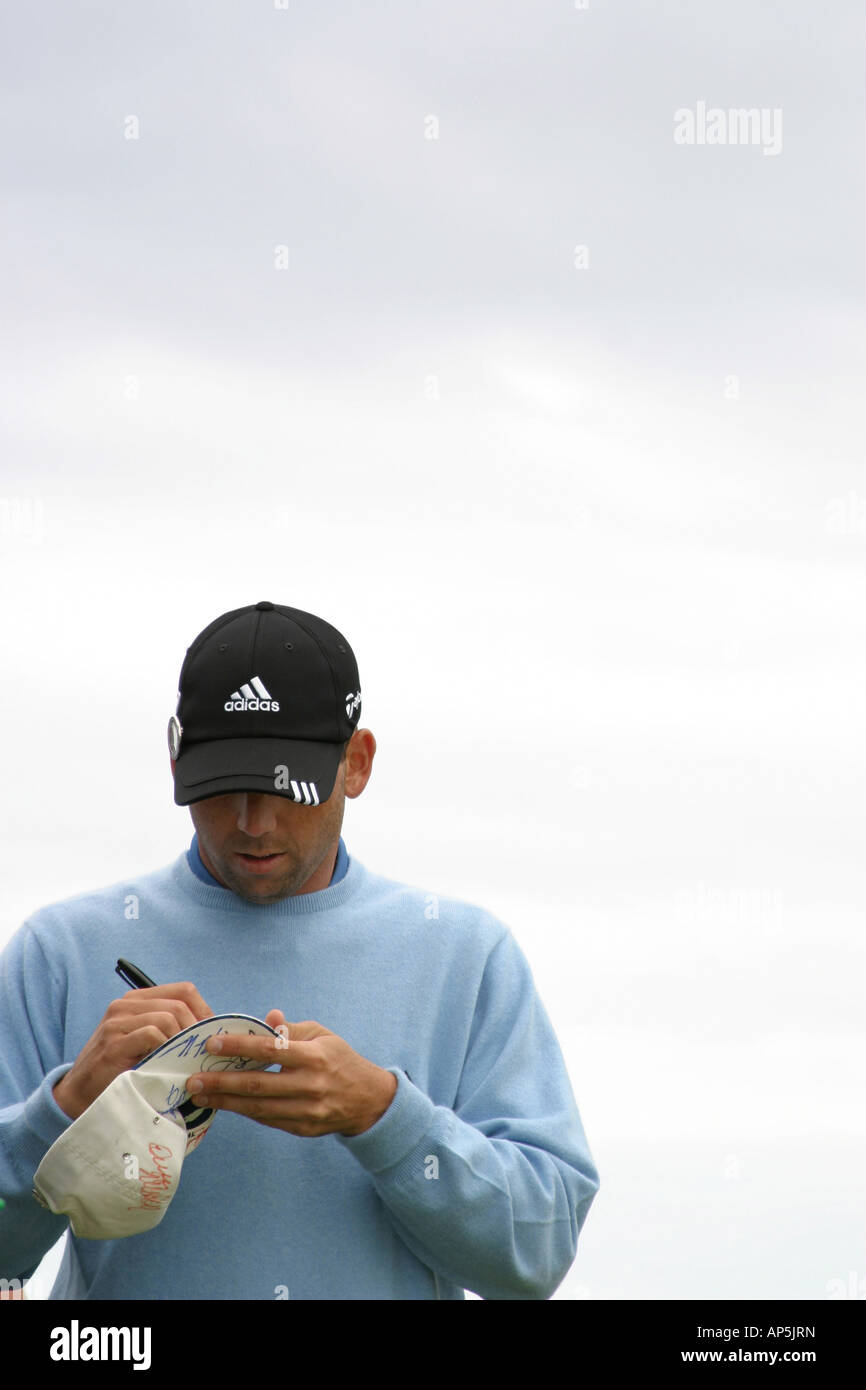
[133,976]
[192,1114]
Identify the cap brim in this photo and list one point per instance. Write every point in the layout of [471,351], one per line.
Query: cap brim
[299,770]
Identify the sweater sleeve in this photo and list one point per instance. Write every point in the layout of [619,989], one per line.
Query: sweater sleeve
[31,1064]
[491,1194]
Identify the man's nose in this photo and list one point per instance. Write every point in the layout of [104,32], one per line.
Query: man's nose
[257,813]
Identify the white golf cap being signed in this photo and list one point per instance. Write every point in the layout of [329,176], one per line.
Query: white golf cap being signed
[115,1170]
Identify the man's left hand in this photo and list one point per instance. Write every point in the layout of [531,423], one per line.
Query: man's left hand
[322,1087]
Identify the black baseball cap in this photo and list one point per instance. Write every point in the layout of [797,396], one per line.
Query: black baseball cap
[267,697]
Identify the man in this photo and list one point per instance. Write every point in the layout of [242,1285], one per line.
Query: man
[419,1137]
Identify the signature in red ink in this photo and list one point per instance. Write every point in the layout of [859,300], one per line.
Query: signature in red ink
[154,1181]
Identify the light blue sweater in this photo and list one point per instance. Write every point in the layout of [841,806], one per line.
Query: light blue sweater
[478,1176]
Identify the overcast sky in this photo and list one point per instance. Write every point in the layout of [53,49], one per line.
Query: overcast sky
[421,319]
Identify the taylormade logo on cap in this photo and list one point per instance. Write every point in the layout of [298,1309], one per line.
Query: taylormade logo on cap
[252,695]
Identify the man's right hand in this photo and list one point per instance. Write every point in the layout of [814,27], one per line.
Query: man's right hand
[130,1029]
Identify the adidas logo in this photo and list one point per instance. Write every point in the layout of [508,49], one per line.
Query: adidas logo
[252,695]
[305,792]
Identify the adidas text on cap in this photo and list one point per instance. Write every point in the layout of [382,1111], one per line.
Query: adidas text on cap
[268,696]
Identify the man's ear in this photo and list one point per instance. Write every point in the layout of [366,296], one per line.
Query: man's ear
[359,761]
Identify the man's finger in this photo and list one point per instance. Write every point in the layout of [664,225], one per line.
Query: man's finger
[251,1084]
[183,991]
[279,1049]
[290,1115]
[302,1032]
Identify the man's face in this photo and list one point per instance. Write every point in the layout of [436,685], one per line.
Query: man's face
[266,847]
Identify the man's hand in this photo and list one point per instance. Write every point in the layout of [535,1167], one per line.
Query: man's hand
[322,1087]
[130,1029]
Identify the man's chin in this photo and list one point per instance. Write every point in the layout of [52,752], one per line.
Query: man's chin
[262,891]
[260,887]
